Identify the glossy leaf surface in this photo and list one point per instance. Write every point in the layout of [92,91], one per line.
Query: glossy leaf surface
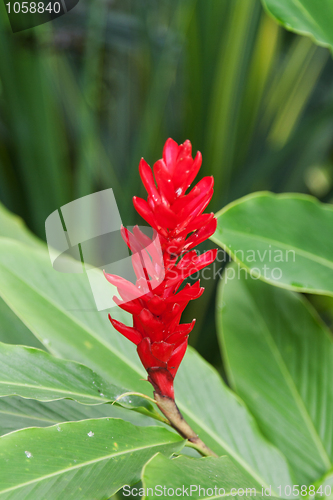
[279,358]
[202,478]
[12,330]
[18,413]
[35,374]
[284,239]
[306,17]
[60,311]
[78,460]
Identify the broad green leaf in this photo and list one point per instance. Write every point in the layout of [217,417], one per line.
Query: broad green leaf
[224,423]
[18,413]
[78,460]
[279,358]
[306,17]
[284,239]
[197,478]
[60,311]
[13,331]
[324,487]
[34,374]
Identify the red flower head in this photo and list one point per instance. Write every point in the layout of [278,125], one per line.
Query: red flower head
[157,305]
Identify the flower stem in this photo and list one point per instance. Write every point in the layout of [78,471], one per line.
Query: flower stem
[169,408]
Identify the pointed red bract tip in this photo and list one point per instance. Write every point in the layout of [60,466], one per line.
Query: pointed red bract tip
[130,333]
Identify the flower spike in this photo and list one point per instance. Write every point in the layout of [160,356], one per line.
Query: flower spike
[155,300]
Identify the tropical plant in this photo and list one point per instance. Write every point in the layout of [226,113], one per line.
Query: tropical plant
[78,419]
[118,80]
[277,351]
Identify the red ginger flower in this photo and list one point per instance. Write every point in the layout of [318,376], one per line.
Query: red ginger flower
[157,305]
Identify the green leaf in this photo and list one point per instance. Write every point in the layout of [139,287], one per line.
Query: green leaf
[35,374]
[306,17]
[79,460]
[13,331]
[17,413]
[224,423]
[198,478]
[324,487]
[59,309]
[282,239]
[279,358]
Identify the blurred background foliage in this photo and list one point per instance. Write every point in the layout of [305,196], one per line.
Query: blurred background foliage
[82,99]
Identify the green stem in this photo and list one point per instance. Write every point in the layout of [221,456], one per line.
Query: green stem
[169,408]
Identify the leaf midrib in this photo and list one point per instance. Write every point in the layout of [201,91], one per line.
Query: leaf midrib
[293,389]
[72,318]
[50,389]
[26,415]
[217,438]
[85,464]
[303,253]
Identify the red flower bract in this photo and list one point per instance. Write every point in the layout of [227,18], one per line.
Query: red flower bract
[157,305]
